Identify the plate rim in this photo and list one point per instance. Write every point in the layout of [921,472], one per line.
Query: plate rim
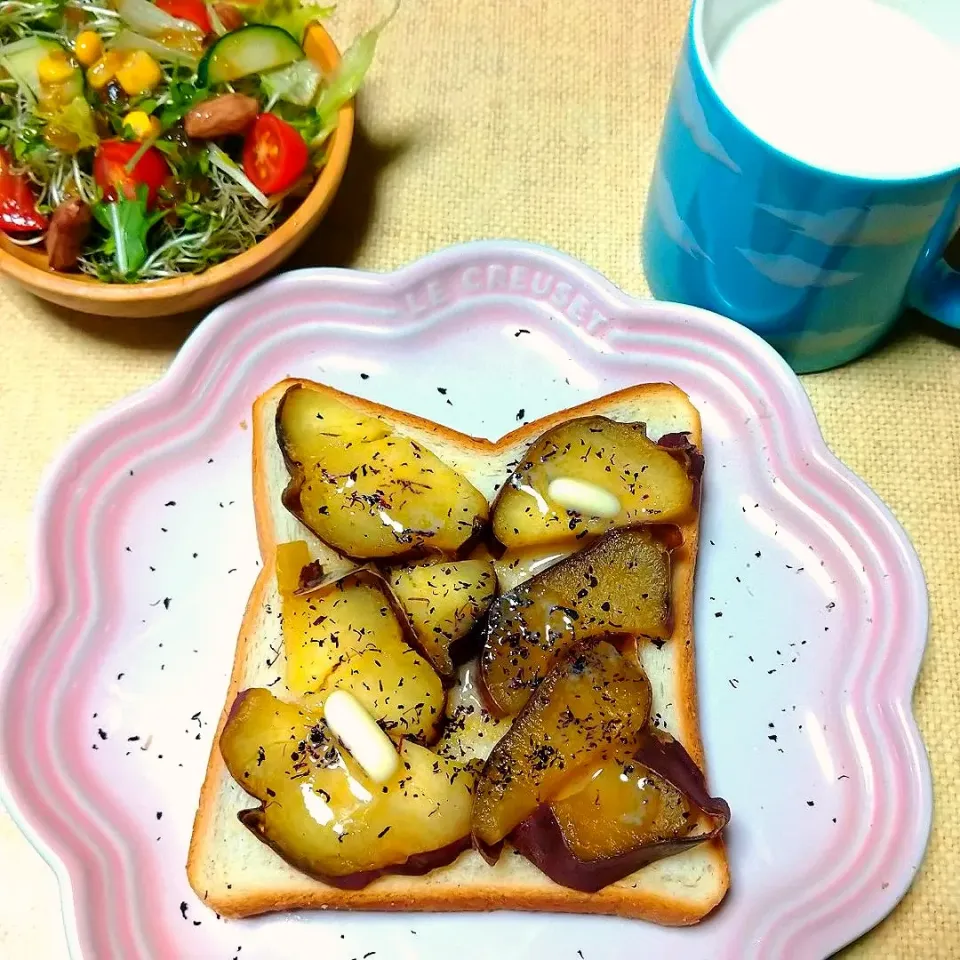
[205,335]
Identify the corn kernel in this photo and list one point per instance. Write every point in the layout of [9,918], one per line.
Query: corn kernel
[144,126]
[103,70]
[139,73]
[88,47]
[54,68]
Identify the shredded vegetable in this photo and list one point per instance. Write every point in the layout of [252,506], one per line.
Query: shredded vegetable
[222,162]
[165,52]
[218,28]
[147,18]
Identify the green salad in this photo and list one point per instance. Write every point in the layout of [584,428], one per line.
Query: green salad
[142,140]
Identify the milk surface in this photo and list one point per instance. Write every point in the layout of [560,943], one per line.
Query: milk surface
[851,86]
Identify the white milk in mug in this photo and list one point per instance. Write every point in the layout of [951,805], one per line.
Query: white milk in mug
[856,87]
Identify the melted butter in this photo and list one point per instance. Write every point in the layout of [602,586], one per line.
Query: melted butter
[388,521]
[466,691]
[335,796]
[515,566]
[317,805]
[583,497]
[472,731]
[359,790]
[538,497]
[559,622]
[578,782]
[650,806]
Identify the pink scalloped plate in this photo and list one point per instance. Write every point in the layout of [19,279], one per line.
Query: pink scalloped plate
[811,614]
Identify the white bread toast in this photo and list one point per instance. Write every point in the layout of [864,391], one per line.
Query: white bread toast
[238,875]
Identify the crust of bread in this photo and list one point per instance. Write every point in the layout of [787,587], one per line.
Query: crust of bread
[238,876]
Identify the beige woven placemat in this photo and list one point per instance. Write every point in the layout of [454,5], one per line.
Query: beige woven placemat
[535,119]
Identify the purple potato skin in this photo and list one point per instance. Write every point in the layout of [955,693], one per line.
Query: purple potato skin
[540,839]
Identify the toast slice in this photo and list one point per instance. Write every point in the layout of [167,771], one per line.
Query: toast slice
[237,875]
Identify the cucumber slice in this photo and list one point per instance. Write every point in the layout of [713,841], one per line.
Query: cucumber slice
[22,58]
[250,49]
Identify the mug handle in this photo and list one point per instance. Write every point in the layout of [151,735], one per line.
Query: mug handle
[935,287]
[938,294]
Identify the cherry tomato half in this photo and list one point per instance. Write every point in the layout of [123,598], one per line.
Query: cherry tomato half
[193,10]
[18,205]
[274,154]
[110,170]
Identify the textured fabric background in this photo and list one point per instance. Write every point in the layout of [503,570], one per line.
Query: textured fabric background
[535,119]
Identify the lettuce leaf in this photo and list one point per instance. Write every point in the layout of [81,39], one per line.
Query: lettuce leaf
[290,15]
[296,83]
[75,118]
[343,84]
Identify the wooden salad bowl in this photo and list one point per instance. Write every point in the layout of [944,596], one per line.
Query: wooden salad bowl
[156,298]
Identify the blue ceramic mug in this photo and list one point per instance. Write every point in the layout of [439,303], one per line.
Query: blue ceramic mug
[820,264]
